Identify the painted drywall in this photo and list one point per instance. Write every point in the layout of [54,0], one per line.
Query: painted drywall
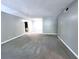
[68,26]
[37,25]
[38,8]
[8,10]
[49,25]
[11,26]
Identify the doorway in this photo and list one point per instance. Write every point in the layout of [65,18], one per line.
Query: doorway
[26,26]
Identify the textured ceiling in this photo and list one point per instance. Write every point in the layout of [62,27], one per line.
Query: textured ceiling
[38,8]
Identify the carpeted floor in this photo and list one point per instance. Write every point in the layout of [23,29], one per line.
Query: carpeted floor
[33,47]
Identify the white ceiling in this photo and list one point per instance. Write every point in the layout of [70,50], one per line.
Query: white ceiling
[38,8]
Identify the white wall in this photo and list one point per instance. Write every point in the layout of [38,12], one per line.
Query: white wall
[11,26]
[37,25]
[68,26]
[49,25]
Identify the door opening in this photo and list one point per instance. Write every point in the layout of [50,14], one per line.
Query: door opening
[26,26]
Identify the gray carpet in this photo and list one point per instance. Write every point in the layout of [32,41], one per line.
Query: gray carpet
[33,47]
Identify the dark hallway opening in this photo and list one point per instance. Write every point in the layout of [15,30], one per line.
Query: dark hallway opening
[26,26]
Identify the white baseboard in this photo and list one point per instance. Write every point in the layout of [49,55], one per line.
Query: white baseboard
[50,33]
[12,39]
[67,46]
[43,33]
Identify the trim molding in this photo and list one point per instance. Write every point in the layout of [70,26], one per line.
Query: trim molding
[68,47]
[43,33]
[12,38]
[49,33]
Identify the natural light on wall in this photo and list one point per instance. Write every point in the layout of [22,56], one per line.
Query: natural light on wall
[35,25]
